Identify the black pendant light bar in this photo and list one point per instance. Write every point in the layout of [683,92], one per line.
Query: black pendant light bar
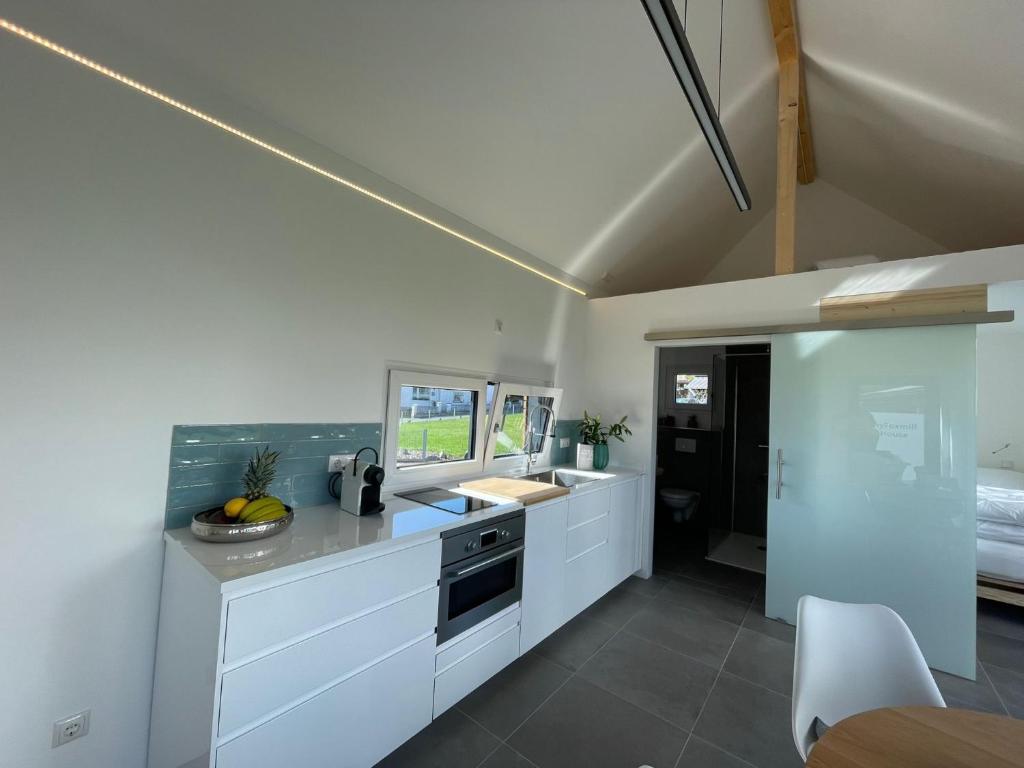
[665,21]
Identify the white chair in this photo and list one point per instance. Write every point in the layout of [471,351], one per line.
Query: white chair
[851,659]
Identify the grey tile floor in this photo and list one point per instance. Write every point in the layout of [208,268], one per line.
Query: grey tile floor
[678,671]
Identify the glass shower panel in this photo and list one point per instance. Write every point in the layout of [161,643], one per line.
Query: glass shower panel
[872,479]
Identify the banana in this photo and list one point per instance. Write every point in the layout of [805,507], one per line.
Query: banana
[256,508]
[266,517]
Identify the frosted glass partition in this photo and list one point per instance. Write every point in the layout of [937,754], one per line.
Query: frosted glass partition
[877,498]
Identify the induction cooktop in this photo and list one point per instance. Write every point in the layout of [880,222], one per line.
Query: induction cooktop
[449,501]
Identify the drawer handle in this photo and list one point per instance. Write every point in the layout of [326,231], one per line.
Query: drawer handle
[485,563]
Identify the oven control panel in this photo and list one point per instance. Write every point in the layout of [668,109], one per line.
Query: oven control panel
[488,539]
[463,542]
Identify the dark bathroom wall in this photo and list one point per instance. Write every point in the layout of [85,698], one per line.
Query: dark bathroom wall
[685,360]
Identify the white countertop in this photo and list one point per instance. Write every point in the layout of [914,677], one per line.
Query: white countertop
[336,536]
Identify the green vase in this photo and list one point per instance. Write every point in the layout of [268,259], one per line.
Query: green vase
[600,456]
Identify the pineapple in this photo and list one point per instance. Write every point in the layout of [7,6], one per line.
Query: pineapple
[260,474]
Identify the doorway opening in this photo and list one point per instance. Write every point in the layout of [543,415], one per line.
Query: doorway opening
[711,482]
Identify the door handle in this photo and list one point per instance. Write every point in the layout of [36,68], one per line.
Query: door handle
[485,563]
[778,474]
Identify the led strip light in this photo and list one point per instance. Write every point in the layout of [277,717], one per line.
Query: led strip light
[171,102]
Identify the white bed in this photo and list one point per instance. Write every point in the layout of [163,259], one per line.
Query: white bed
[1001,524]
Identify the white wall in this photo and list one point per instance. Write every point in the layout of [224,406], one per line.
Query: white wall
[829,224]
[154,271]
[1001,381]
[621,365]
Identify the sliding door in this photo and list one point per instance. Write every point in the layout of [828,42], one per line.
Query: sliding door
[872,479]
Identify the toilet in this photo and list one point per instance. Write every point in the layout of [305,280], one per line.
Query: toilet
[682,502]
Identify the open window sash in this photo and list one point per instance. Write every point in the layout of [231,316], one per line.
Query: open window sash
[516,407]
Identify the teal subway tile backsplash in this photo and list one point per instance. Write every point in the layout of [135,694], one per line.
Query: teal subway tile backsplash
[207,462]
[566,428]
[193,455]
[216,434]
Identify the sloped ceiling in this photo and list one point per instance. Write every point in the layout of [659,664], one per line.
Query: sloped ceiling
[557,125]
[918,110]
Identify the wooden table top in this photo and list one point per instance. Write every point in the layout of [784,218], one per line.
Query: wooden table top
[921,737]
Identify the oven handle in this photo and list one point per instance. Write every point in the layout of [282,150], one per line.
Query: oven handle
[485,563]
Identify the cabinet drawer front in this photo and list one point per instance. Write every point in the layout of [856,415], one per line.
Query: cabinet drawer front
[352,725]
[624,496]
[587,507]
[586,579]
[457,649]
[474,670]
[585,537]
[262,686]
[290,611]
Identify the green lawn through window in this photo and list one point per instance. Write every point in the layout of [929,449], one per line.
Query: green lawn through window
[451,437]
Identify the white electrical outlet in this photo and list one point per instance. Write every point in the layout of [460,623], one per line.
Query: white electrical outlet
[337,462]
[71,728]
[563,442]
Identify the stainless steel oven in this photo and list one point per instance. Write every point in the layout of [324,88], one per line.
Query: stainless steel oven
[481,572]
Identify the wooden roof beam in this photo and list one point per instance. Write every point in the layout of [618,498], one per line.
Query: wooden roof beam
[787,48]
[795,150]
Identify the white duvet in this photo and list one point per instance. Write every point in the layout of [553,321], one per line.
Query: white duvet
[1000,497]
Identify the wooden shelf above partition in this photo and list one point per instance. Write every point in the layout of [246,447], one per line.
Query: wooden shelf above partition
[852,324]
[925,301]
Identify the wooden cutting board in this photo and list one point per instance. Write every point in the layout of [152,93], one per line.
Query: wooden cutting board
[524,491]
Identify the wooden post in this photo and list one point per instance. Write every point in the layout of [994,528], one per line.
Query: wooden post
[795,160]
[785,191]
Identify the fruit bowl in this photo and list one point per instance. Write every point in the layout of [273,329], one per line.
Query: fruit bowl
[214,525]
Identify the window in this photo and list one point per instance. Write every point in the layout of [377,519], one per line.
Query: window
[445,427]
[510,429]
[436,432]
[520,410]
[691,389]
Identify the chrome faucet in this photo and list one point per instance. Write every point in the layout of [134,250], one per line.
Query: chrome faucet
[530,433]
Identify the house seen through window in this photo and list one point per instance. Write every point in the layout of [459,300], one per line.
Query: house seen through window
[436,425]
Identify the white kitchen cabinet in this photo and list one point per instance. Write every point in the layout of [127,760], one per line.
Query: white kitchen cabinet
[279,616]
[466,662]
[333,661]
[602,543]
[351,725]
[588,550]
[586,579]
[624,535]
[270,683]
[543,609]
[325,665]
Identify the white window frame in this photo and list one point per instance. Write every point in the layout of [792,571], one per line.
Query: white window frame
[496,421]
[397,477]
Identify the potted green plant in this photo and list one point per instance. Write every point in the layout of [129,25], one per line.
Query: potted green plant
[592,451]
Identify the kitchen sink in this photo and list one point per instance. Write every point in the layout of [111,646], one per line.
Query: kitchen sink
[565,478]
